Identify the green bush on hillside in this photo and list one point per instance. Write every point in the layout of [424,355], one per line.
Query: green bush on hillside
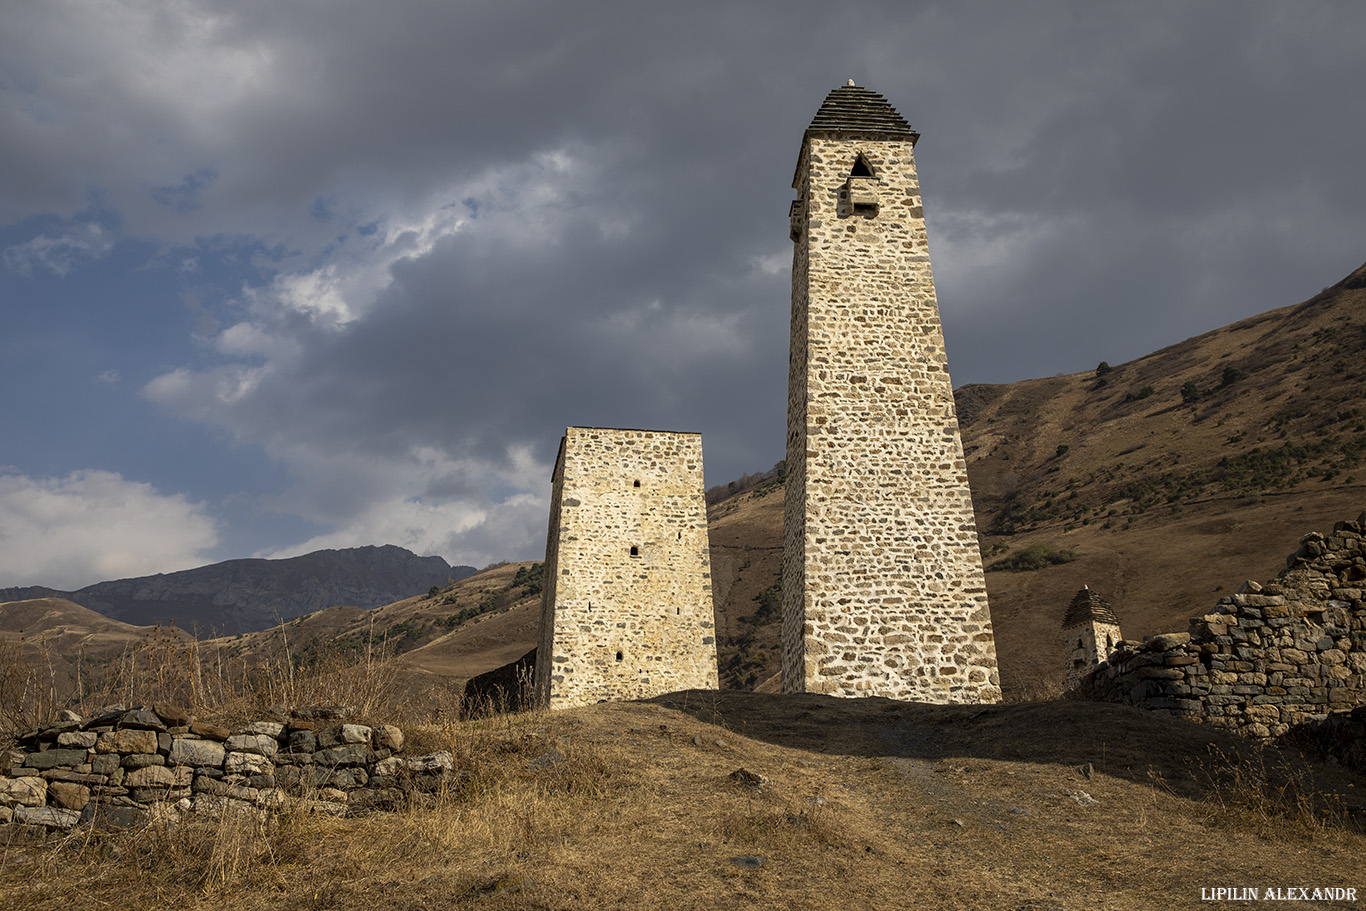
[1033,557]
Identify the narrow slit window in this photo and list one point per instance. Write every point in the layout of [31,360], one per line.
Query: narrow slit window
[635,551]
[619,656]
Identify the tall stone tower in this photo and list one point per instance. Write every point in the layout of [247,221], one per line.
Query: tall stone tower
[626,609]
[883,591]
[1090,632]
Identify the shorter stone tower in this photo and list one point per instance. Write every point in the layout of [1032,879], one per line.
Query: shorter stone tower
[1090,632]
[626,611]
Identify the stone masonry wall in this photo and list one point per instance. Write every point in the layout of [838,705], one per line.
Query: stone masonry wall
[627,609]
[126,765]
[1266,659]
[883,589]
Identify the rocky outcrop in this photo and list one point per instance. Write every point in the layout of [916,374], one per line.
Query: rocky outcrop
[239,596]
[125,765]
[1264,660]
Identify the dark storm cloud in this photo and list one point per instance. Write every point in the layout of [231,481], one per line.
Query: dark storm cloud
[472,224]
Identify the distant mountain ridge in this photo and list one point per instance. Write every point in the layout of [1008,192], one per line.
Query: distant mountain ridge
[238,596]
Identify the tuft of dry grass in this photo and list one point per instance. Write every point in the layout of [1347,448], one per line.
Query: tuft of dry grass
[1271,792]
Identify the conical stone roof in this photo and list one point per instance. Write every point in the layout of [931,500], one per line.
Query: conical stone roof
[1088,607]
[854,112]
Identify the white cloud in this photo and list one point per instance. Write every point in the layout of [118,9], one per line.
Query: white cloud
[979,253]
[773,263]
[94,525]
[468,532]
[428,502]
[247,340]
[78,244]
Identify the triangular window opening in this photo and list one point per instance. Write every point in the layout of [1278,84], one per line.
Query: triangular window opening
[861,167]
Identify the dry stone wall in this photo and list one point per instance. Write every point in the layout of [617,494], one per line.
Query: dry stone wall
[126,765]
[626,609]
[883,589]
[1264,660]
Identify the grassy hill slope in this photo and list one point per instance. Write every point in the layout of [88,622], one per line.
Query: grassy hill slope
[1164,500]
[1169,498]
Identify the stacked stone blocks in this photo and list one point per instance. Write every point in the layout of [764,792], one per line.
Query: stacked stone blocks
[126,765]
[883,589]
[1266,659]
[626,610]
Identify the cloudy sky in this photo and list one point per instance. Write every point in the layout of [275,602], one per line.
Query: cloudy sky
[277,276]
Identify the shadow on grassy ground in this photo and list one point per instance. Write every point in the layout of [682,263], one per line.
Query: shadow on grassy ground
[1187,759]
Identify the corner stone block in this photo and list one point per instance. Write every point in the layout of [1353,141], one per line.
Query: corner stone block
[172,715]
[272,729]
[388,737]
[388,768]
[51,759]
[355,733]
[209,731]
[247,764]
[84,740]
[24,792]
[261,744]
[153,776]
[141,719]
[127,741]
[188,752]
[432,762]
[351,754]
[69,795]
[48,817]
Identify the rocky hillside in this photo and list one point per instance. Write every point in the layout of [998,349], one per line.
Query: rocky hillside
[243,595]
[1161,483]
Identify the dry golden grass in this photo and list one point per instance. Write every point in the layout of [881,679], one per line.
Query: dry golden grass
[866,803]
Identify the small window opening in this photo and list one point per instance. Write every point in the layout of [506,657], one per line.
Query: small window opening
[619,656]
[635,484]
[635,551]
[861,167]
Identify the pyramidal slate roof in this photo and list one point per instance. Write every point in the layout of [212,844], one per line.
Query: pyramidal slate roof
[852,111]
[1086,607]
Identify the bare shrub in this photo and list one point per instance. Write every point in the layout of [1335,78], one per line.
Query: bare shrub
[28,688]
